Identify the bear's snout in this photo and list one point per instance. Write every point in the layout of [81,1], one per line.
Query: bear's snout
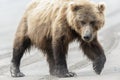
[87,37]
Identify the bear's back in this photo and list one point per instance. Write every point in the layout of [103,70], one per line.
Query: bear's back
[43,11]
[45,6]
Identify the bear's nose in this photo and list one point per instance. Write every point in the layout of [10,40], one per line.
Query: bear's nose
[87,37]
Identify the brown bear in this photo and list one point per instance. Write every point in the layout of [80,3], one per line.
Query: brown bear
[50,25]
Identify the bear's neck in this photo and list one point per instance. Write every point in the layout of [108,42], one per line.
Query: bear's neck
[74,35]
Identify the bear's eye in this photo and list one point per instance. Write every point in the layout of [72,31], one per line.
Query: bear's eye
[92,23]
[83,22]
[76,8]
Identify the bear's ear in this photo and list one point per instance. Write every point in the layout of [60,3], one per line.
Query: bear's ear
[74,6]
[101,7]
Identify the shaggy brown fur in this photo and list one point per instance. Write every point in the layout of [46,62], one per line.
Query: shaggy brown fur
[50,25]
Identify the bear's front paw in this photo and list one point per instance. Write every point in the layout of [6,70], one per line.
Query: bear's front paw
[98,64]
[63,75]
[61,71]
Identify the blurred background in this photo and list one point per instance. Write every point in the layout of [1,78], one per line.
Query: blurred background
[34,64]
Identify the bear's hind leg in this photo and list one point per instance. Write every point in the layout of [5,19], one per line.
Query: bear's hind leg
[94,51]
[20,45]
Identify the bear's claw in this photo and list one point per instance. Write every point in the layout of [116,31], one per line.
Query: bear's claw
[69,74]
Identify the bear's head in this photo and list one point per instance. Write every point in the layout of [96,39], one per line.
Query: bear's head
[86,18]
